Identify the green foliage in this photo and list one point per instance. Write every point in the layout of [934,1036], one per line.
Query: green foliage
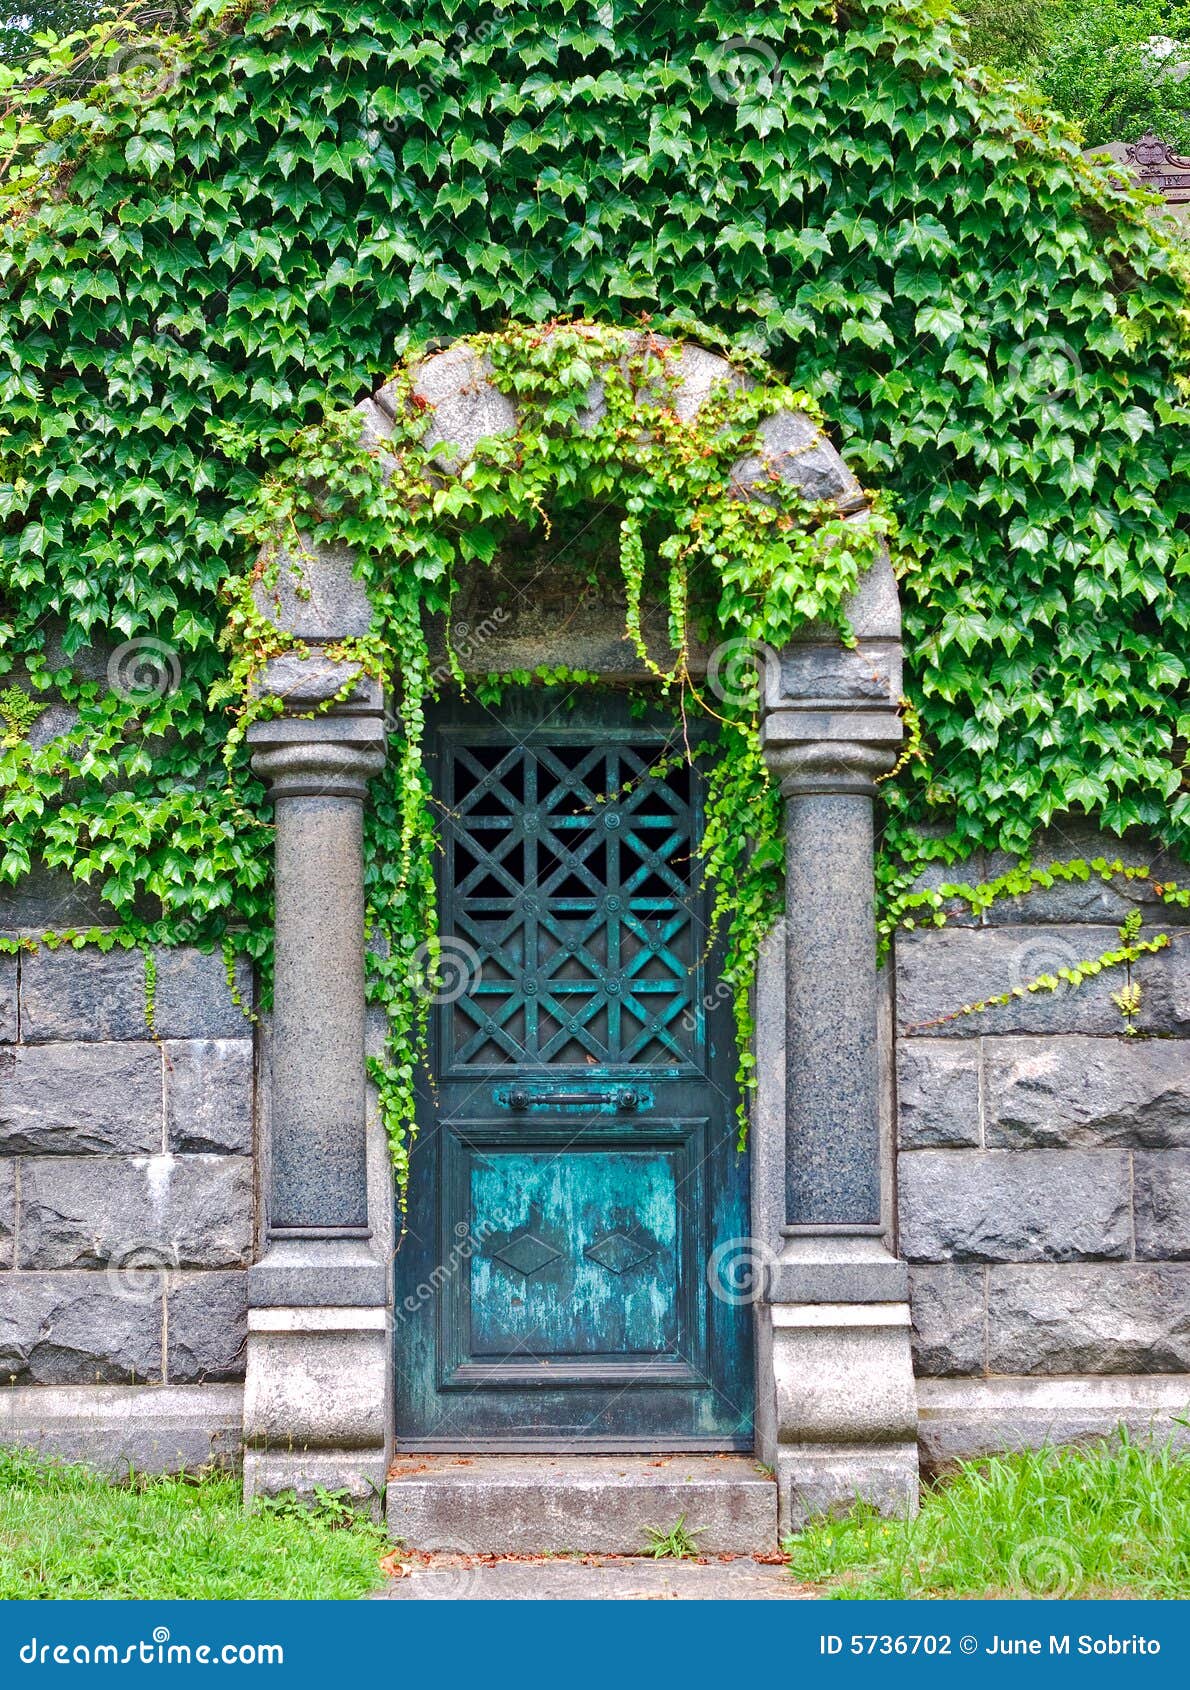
[1076,1523]
[752,570]
[202,255]
[67,1533]
[1111,65]
[679,1543]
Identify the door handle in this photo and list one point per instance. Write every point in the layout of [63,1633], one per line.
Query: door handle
[625,1099]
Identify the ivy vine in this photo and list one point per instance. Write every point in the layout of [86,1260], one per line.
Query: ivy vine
[210,240]
[744,569]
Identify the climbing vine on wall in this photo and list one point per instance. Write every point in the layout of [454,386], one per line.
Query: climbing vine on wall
[241,230]
[748,570]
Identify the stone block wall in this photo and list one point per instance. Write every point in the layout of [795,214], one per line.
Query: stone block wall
[1043,1170]
[127,1191]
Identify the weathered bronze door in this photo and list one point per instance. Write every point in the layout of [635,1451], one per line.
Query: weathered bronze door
[576,1168]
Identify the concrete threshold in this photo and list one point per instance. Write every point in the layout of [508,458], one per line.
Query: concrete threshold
[579,1504]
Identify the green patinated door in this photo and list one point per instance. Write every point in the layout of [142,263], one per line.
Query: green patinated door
[576,1168]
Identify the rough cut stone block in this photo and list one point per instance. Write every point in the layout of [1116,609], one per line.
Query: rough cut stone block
[937,1093]
[8,1205]
[1112,1319]
[194,1000]
[318,594]
[1094,899]
[174,1211]
[68,1099]
[1162,1197]
[49,900]
[78,1329]
[208,1327]
[85,994]
[1001,1206]
[208,1095]
[947,1304]
[8,999]
[941,970]
[1074,1090]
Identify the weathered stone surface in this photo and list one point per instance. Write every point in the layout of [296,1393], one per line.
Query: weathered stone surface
[1162,1199]
[145,1428]
[967,1419]
[940,971]
[948,1308]
[1111,1319]
[307,678]
[177,1211]
[208,1095]
[194,1000]
[1085,1091]
[49,900]
[77,1329]
[598,1503]
[208,1327]
[795,448]
[467,406]
[8,1205]
[70,1099]
[1094,899]
[317,594]
[85,994]
[1001,1206]
[938,1093]
[8,999]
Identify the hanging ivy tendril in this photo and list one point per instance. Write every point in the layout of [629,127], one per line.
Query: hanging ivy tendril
[724,567]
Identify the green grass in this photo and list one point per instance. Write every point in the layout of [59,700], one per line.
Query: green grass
[1111,1520]
[65,1532]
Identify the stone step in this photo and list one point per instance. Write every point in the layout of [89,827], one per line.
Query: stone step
[588,1504]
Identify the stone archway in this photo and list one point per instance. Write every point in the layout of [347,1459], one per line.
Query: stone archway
[836,1403]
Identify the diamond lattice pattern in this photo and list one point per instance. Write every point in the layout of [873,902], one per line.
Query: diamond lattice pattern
[572,875]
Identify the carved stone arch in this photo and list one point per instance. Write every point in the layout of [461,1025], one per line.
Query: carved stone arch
[836,1402]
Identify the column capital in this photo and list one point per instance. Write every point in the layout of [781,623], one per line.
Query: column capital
[818,767]
[327,756]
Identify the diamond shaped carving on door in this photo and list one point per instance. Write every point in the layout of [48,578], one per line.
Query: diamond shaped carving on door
[573,878]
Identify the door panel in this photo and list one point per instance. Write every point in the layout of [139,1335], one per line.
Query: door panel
[575,1167]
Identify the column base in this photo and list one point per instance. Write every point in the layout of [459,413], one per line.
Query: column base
[836,1338]
[317,1401]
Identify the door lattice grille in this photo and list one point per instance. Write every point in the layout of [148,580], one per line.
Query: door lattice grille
[573,878]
